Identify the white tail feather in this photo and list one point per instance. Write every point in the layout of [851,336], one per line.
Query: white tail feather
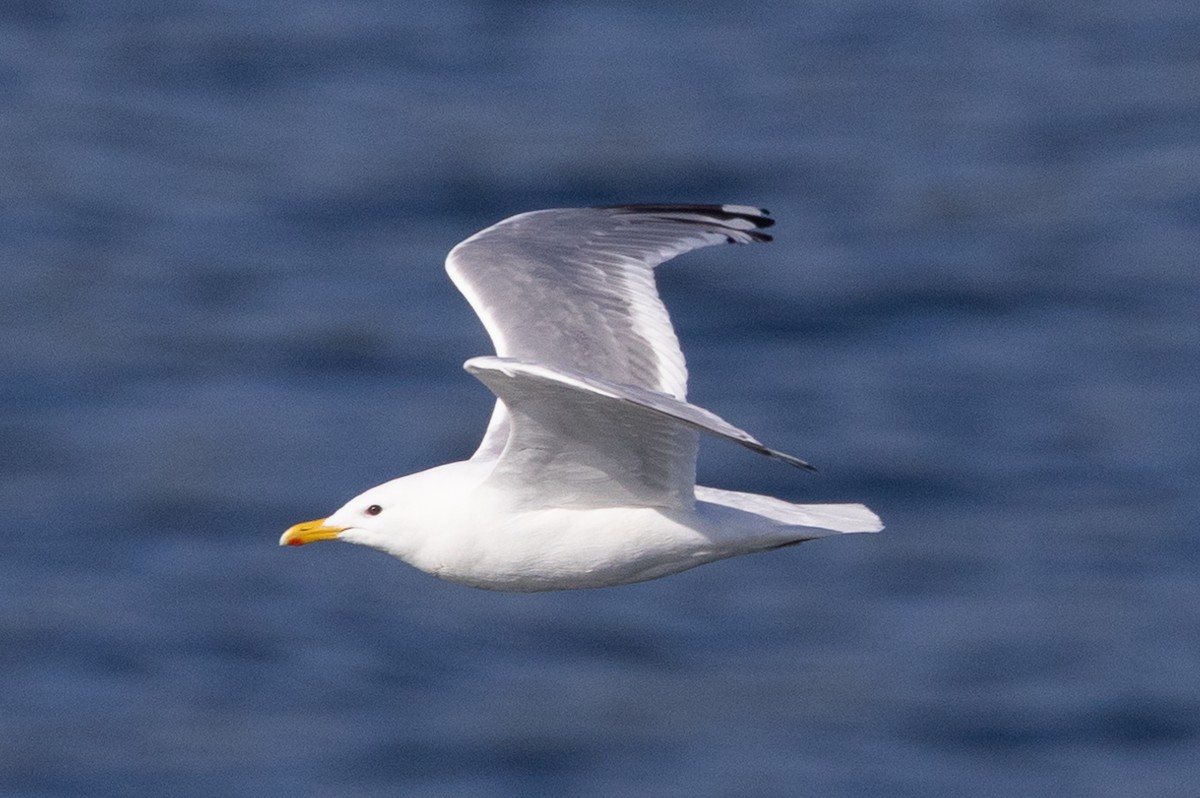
[843,518]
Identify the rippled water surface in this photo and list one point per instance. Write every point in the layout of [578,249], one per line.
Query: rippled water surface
[222,311]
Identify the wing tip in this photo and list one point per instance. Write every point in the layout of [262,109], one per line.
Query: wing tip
[795,462]
[760,216]
[746,220]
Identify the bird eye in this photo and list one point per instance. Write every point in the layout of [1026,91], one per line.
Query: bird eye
[374,509]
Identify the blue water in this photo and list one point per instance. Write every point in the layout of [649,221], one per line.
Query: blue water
[223,311]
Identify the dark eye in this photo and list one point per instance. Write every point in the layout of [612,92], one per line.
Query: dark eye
[374,509]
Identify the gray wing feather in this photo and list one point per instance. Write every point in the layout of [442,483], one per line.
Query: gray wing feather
[574,289]
[577,440]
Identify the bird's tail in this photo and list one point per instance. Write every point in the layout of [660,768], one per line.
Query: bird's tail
[818,519]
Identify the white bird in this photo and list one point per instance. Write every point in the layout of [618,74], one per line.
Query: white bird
[586,476]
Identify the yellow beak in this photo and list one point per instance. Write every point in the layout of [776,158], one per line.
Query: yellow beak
[308,532]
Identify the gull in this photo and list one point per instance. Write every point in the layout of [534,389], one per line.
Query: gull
[586,476]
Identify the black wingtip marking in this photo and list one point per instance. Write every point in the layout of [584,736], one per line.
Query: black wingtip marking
[753,235]
[716,213]
[795,462]
[762,220]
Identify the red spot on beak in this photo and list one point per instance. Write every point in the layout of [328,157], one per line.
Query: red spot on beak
[295,542]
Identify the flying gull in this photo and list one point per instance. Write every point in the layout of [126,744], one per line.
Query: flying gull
[586,476]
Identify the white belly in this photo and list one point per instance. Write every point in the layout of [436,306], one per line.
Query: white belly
[557,549]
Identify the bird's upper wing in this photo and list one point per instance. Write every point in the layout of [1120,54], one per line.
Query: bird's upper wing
[574,289]
[582,441]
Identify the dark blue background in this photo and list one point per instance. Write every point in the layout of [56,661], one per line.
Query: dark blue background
[223,311]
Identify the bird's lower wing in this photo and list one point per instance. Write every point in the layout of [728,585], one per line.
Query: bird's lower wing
[583,441]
